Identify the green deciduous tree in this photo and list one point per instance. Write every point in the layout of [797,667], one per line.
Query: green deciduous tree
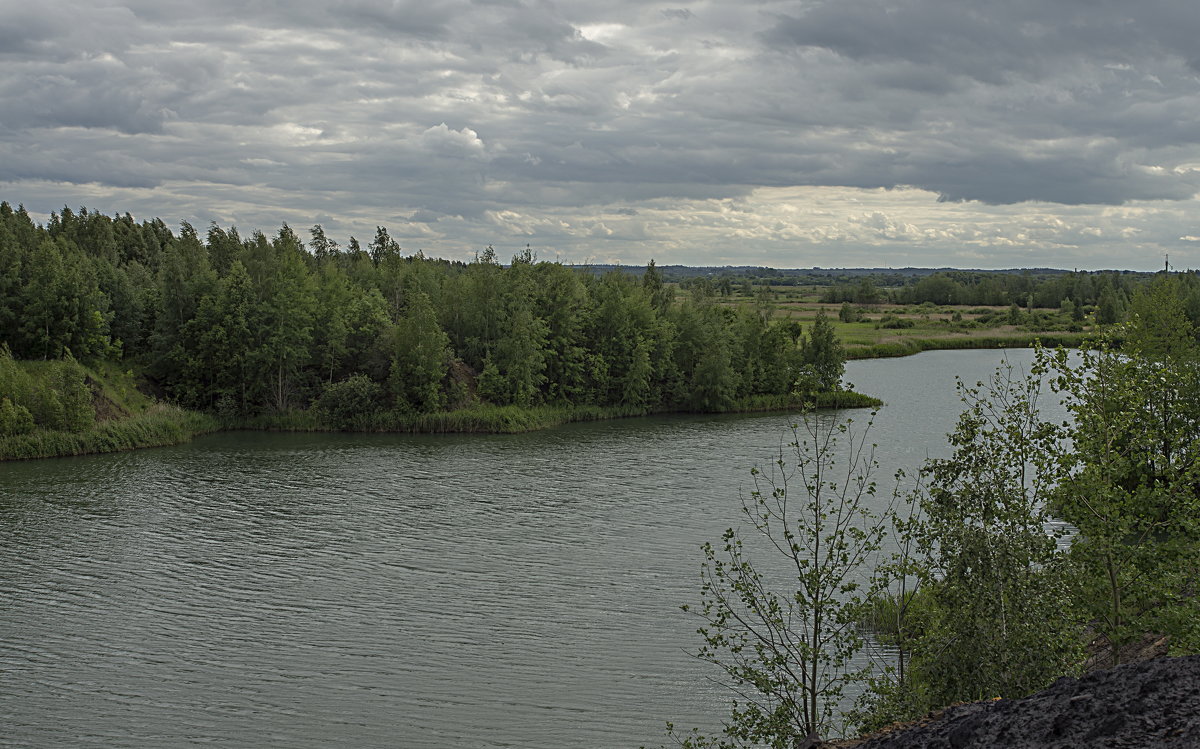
[564,304]
[659,293]
[782,595]
[421,358]
[1130,482]
[1002,623]
[323,248]
[1111,307]
[623,335]
[822,358]
[14,419]
[285,322]
[515,370]
[218,346]
[331,330]
[382,246]
[708,380]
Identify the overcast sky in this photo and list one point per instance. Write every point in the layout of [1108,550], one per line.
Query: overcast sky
[968,133]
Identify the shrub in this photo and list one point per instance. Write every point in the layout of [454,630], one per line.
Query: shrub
[351,403]
[14,419]
[15,382]
[894,323]
[61,400]
[76,397]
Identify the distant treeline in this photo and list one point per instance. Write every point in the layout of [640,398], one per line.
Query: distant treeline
[246,326]
[1045,288]
[1018,281]
[734,276]
[1108,292]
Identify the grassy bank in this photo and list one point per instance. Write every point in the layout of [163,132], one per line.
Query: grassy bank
[157,427]
[60,408]
[488,419]
[910,346]
[159,424]
[479,419]
[889,330]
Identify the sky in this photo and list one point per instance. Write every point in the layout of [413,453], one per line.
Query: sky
[798,133]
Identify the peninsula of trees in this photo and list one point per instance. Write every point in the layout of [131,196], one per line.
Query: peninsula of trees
[277,332]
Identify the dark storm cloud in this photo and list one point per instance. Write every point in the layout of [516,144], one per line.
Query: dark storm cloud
[448,115]
[993,42]
[1068,102]
[419,20]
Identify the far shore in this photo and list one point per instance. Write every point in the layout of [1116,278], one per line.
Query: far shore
[168,425]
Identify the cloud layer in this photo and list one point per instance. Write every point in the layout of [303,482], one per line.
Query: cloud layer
[843,132]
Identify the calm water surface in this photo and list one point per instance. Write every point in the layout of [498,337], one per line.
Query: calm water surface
[385,591]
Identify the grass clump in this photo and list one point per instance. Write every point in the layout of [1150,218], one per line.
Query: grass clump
[159,426]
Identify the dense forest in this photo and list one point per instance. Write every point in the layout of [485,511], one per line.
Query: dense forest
[370,337]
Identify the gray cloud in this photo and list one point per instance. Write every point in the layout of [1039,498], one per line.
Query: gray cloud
[616,127]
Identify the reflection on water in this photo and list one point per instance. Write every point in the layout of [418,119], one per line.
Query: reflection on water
[370,591]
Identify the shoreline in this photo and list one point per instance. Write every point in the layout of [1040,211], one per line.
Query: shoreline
[915,345]
[168,425]
[171,425]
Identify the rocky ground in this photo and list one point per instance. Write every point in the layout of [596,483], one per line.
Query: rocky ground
[1154,704]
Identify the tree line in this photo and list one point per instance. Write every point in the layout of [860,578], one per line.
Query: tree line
[1107,294]
[245,326]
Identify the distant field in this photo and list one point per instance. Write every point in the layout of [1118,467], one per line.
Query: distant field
[879,331]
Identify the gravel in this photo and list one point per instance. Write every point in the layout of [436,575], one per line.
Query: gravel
[1151,704]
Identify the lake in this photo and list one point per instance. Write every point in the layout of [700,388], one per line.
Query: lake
[312,590]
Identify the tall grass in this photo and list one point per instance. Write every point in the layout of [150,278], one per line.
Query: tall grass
[832,399]
[491,419]
[910,346]
[169,425]
[476,419]
[159,426]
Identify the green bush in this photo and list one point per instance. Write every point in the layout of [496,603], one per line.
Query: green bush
[70,381]
[894,323]
[15,382]
[61,400]
[14,419]
[47,409]
[162,425]
[351,403]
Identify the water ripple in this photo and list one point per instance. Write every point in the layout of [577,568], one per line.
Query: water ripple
[379,591]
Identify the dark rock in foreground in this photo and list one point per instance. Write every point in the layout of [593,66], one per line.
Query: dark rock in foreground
[1151,704]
